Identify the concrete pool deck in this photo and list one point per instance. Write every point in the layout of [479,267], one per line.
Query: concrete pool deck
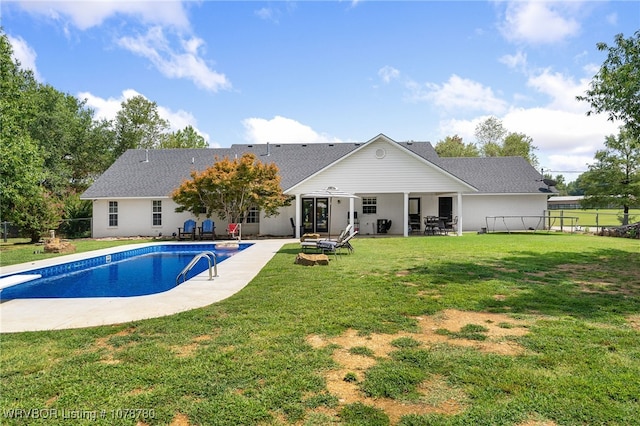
[234,274]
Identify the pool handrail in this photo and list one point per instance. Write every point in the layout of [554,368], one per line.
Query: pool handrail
[209,256]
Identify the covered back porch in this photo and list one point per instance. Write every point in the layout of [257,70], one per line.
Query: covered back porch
[399,213]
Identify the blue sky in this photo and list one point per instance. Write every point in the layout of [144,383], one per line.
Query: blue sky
[334,71]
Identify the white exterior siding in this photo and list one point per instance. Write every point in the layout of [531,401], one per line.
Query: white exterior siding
[397,171]
[385,171]
[276,225]
[476,208]
[381,169]
[135,218]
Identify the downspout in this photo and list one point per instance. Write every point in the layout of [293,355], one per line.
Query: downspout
[298,219]
[405,226]
[459,214]
[352,220]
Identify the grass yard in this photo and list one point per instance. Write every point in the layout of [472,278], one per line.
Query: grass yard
[21,250]
[522,329]
[590,217]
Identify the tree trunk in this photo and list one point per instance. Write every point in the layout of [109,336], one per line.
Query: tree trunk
[625,216]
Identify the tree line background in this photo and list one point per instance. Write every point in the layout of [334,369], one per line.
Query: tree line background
[53,146]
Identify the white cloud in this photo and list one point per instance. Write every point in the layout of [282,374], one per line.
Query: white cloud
[182,62]
[105,108]
[566,140]
[561,89]
[458,94]
[108,108]
[268,14]
[517,61]
[560,132]
[282,130]
[181,59]
[558,164]
[540,22]
[87,14]
[463,128]
[25,55]
[388,73]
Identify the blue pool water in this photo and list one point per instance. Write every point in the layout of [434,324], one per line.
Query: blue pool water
[137,272]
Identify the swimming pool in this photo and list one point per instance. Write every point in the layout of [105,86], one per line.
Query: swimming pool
[137,272]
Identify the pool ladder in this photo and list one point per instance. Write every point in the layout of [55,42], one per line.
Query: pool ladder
[213,263]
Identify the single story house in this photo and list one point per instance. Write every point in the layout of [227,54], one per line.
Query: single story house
[396,184]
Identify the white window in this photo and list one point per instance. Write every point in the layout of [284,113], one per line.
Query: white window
[113,213]
[157,213]
[253,215]
[369,205]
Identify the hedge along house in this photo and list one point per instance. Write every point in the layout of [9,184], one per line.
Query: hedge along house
[395,182]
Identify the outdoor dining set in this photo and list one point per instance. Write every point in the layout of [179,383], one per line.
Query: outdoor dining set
[434,225]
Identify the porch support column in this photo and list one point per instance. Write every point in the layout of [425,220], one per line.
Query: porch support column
[405,221]
[298,218]
[459,214]
[352,220]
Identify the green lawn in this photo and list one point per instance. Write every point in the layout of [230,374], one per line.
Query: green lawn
[21,250]
[547,331]
[602,217]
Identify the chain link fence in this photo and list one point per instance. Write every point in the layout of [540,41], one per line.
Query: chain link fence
[68,228]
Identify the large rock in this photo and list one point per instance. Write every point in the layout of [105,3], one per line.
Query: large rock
[311,259]
[55,245]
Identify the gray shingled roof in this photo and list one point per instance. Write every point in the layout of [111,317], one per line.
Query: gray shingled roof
[298,161]
[496,175]
[133,176]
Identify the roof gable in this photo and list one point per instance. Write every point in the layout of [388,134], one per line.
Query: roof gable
[369,169]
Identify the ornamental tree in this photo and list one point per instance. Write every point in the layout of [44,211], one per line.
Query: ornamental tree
[230,188]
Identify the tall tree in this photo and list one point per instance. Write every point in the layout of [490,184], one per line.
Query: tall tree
[490,136]
[23,199]
[576,187]
[50,147]
[186,138]
[74,146]
[615,177]
[496,141]
[519,144]
[560,185]
[229,188]
[139,125]
[615,89]
[453,146]
[92,151]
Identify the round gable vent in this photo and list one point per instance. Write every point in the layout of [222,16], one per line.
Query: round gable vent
[380,153]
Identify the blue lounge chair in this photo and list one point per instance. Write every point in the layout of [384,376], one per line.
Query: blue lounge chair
[188,231]
[208,229]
